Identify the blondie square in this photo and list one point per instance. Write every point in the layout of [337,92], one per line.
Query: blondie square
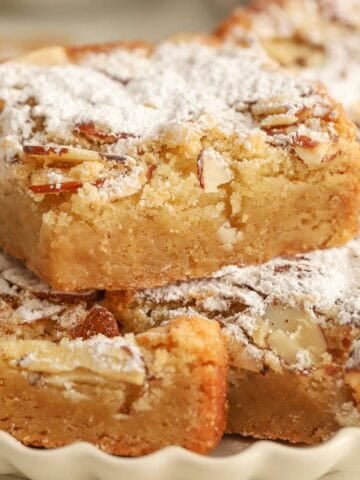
[293,333]
[132,165]
[67,373]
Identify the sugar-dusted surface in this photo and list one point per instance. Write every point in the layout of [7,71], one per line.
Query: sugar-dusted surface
[324,281]
[305,298]
[116,146]
[320,39]
[142,94]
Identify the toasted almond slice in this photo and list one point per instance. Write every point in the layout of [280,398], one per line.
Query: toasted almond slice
[279,120]
[213,170]
[60,154]
[91,132]
[274,106]
[67,154]
[66,187]
[42,292]
[20,276]
[150,172]
[304,141]
[312,156]
[291,331]
[116,359]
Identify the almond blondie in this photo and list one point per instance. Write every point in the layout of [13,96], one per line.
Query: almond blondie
[68,374]
[293,333]
[133,165]
[318,39]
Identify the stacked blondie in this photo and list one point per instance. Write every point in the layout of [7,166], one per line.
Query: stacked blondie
[177,218]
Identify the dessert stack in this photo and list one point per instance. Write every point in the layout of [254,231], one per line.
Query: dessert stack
[177,217]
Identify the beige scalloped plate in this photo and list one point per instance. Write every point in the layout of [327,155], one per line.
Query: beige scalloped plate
[234,459]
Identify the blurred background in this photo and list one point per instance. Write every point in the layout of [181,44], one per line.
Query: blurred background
[28,24]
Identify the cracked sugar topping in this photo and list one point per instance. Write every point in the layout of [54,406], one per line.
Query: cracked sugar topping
[324,283]
[326,35]
[128,96]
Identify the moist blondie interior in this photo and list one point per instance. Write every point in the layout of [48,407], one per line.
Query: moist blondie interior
[67,373]
[292,331]
[318,39]
[132,165]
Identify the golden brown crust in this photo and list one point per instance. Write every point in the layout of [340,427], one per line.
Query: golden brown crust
[183,401]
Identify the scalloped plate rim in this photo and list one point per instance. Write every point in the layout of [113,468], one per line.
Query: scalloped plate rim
[322,459]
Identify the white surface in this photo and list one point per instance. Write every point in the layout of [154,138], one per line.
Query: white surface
[338,459]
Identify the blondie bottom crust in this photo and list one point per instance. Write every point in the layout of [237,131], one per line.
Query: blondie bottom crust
[67,374]
[131,166]
[293,336]
[318,39]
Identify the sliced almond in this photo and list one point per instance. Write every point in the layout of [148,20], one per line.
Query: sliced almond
[66,187]
[116,359]
[279,120]
[95,134]
[150,172]
[67,154]
[48,188]
[274,106]
[229,236]
[288,331]
[21,277]
[312,156]
[213,170]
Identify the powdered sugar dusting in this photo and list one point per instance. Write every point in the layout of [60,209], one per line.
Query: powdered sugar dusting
[325,281]
[329,28]
[116,359]
[143,94]
[272,301]
[34,299]
[25,300]
[33,309]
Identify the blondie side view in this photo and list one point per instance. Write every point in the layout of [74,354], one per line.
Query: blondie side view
[293,333]
[68,374]
[133,165]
